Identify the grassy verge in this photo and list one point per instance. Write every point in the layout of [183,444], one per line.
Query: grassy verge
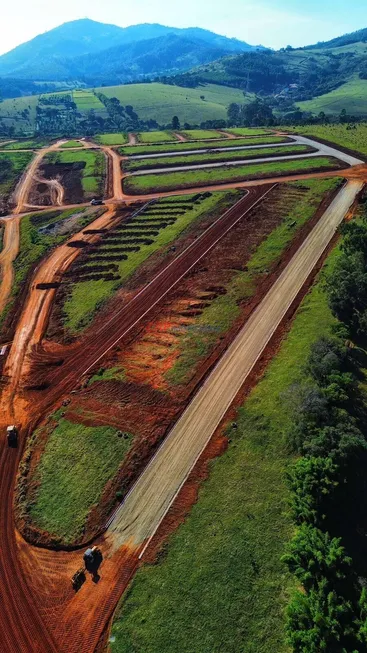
[156,137]
[196,178]
[213,157]
[177,147]
[85,298]
[77,463]
[248,131]
[26,145]
[220,585]
[222,312]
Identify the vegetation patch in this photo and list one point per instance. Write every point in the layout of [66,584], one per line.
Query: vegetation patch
[91,165]
[201,134]
[71,144]
[351,96]
[353,137]
[156,137]
[12,166]
[111,139]
[247,131]
[225,559]
[191,178]
[77,463]
[34,144]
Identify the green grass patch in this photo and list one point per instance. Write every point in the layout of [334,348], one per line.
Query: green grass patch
[220,585]
[156,137]
[77,463]
[248,131]
[87,297]
[217,318]
[213,157]
[178,147]
[86,100]
[116,373]
[192,178]
[161,102]
[197,134]
[111,139]
[68,144]
[34,144]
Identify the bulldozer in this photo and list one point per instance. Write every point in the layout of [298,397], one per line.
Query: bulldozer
[12,435]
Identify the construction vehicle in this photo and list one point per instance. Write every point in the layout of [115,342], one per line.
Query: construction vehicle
[78,579]
[96,202]
[92,558]
[12,435]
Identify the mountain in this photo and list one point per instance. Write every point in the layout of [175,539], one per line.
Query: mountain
[360,36]
[64,53]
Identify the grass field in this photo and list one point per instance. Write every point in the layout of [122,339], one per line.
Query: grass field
[248,131]
[19,113]
[351,96]
[17,163]
[93,173]
[161,102]
[156,137]
[201,134]
[111,139]
[69,144]
[194,178]
[354,138]
[77,463]
[33,144]
[156,149]
[85,298]
[223,311]
[85,100]
[219,585]
[192,159]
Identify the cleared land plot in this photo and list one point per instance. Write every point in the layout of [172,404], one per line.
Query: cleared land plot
[111,139]
[193,159]
[201,134]
[225,588]
[198,178]
[86,100]
[82,171]
[153,149]
[76,464]
[127,247]
[351,96]
[156,137]
[12,166]
[161,102]
[353,138]
[248,131]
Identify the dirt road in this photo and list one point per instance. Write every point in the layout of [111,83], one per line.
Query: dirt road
[7,256]
[24,186]
[56,189]
[148,501]
[116,172]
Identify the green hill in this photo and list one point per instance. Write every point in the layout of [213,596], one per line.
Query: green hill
[351,96]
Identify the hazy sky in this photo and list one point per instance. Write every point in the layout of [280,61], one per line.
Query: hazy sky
[273,23]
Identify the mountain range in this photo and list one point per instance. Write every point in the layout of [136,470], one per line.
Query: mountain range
[92,52]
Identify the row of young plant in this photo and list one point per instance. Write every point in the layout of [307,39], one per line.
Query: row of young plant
[329,482]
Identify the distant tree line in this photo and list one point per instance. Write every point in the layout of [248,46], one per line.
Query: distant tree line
[328,482]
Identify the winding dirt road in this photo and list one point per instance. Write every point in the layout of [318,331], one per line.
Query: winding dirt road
[7,256]
[24,186]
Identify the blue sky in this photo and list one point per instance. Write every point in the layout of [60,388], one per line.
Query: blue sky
[274,23]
